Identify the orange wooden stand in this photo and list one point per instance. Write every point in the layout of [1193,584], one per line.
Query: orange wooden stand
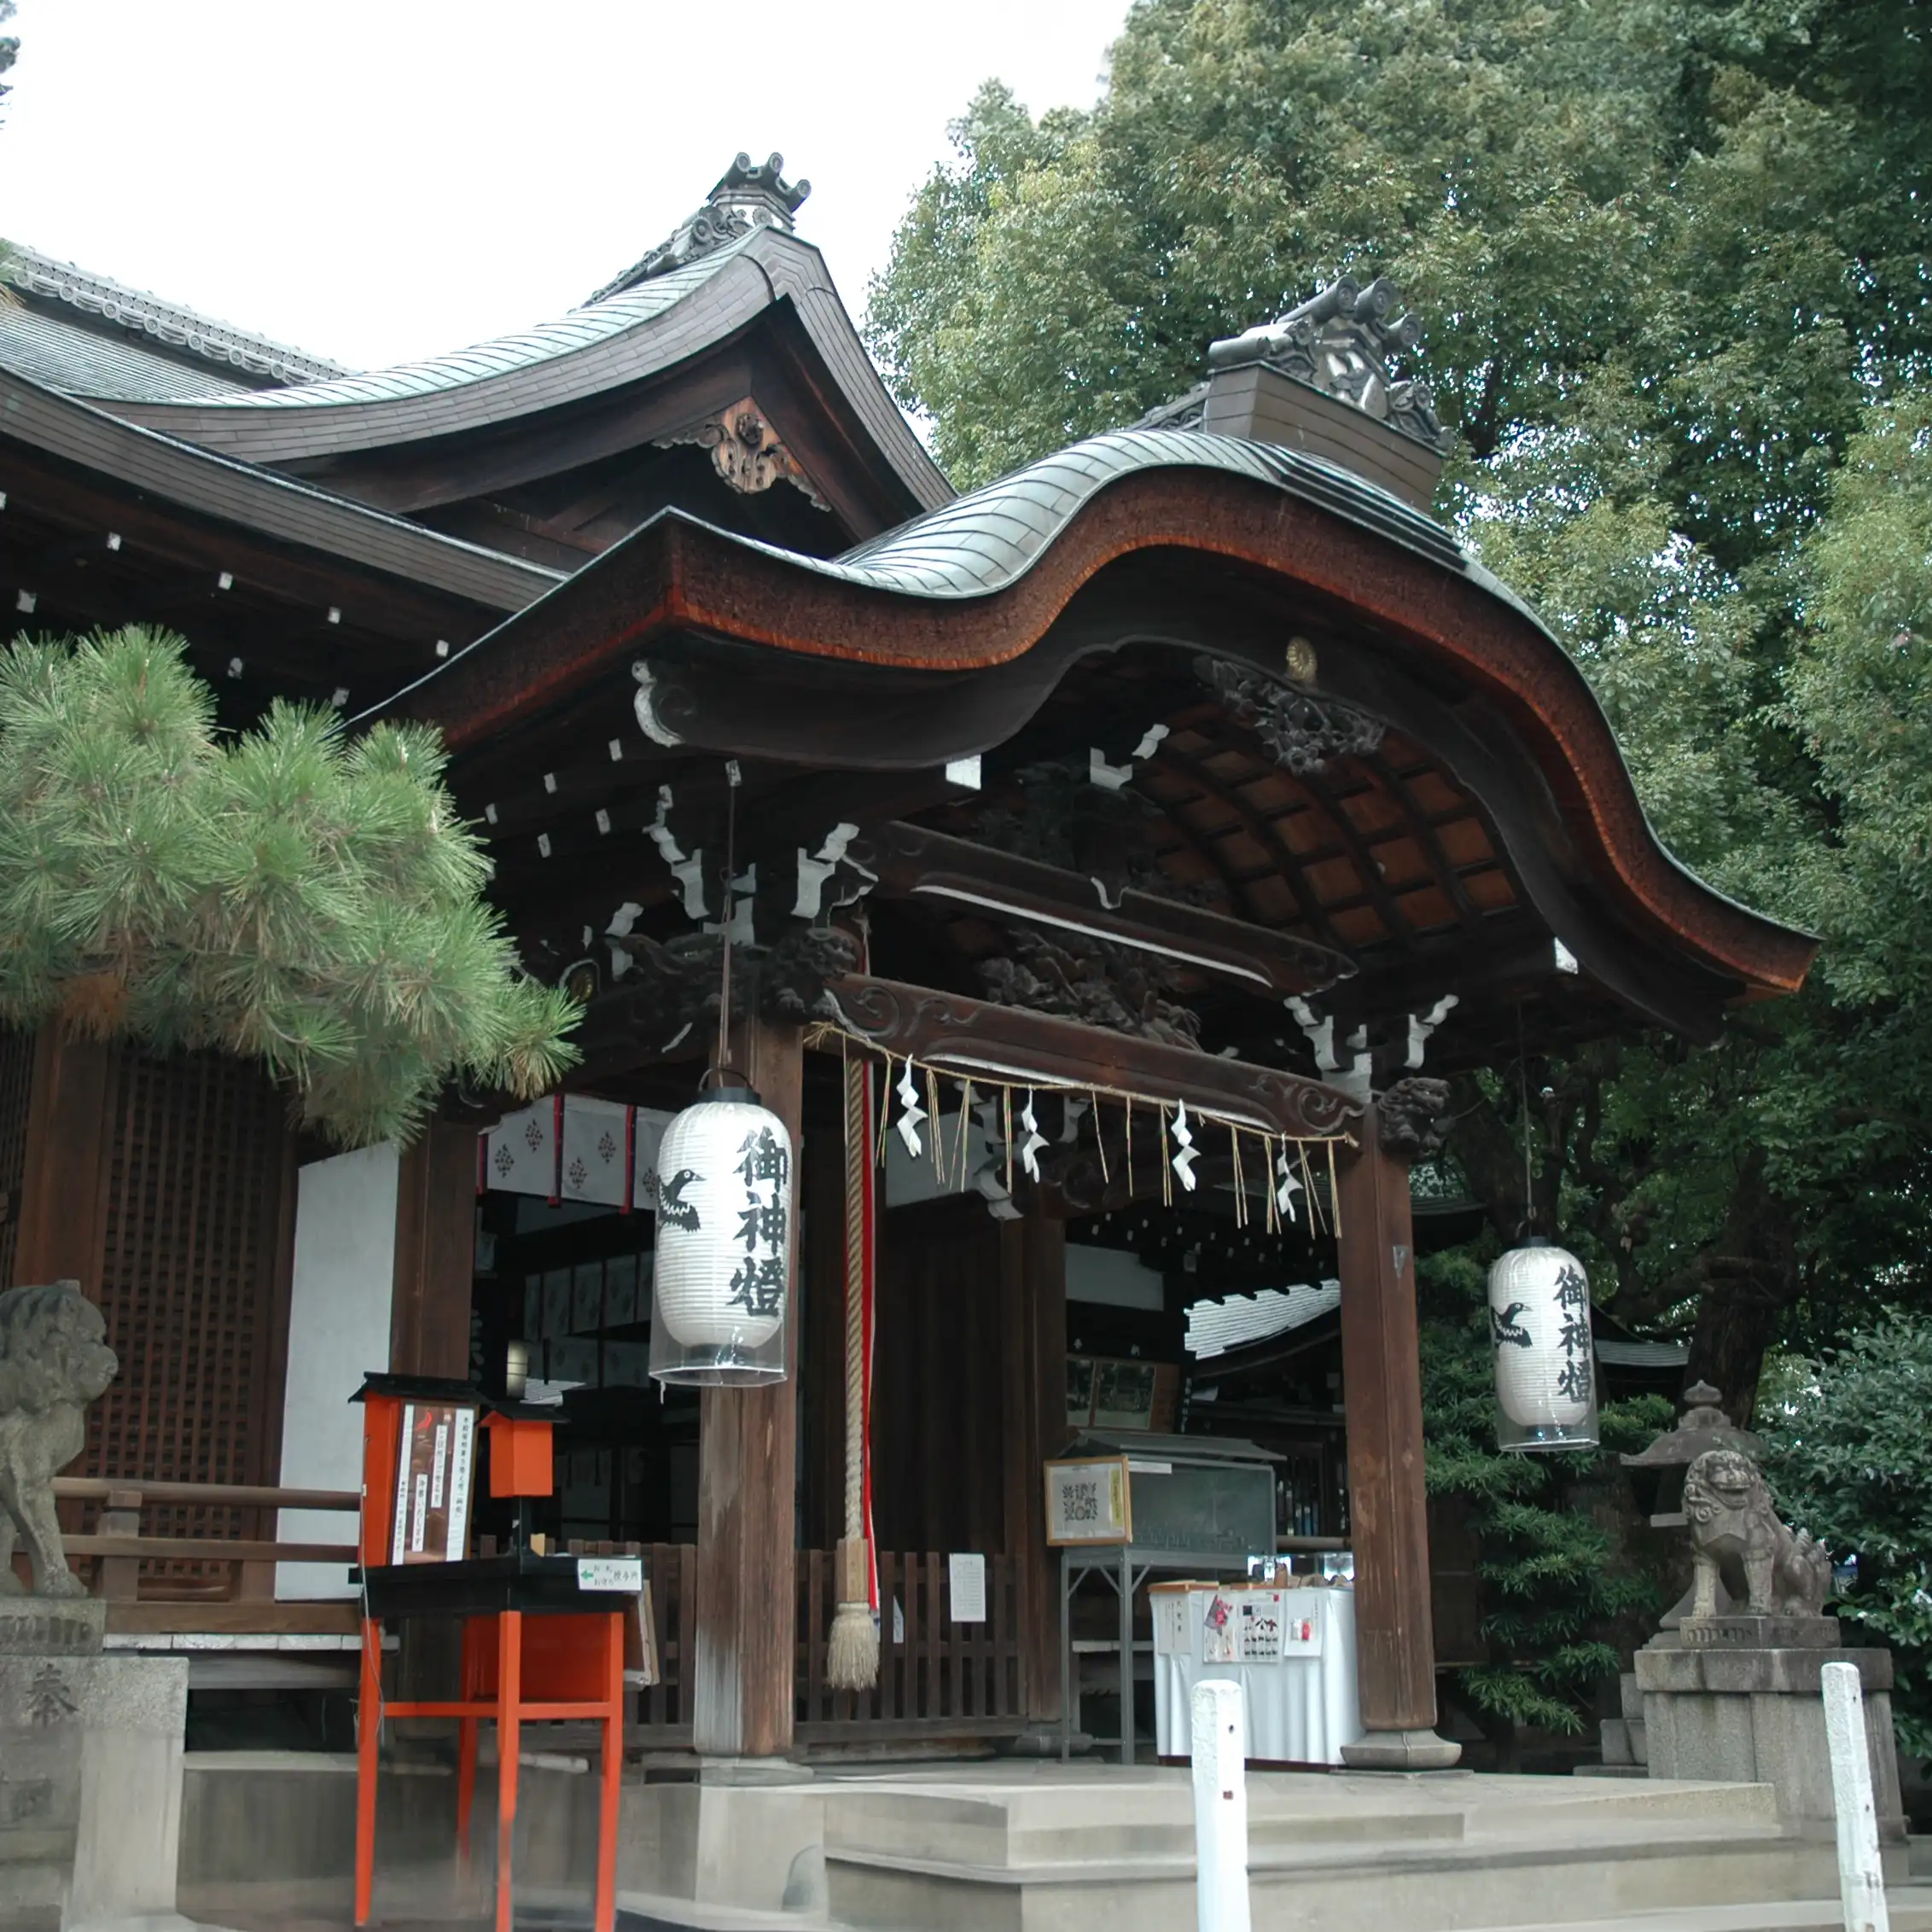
[517,1666]
[548,1659]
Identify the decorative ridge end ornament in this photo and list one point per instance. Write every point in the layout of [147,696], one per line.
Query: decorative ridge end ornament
[53,1362]
[1340,342]
[749,195]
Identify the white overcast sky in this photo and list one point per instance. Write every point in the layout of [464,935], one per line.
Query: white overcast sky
[373,180]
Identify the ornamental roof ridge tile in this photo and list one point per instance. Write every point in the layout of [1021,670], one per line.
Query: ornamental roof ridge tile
[501,355]
[34,273]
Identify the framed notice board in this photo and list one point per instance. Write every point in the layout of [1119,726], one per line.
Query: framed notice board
[1088,1502]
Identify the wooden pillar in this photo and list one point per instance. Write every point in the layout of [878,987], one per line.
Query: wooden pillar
[69,1139]
[436,1253]
[1388,1507]
[742,1676]
[1033,1310]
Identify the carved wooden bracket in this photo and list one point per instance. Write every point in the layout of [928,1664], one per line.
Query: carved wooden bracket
[976,1037]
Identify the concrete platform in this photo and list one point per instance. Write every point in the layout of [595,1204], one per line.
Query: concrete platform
[1025,1846]
[1051,1849]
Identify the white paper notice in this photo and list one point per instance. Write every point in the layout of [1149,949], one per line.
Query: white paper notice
[1170,1623]
[611,1573]
[967,1574]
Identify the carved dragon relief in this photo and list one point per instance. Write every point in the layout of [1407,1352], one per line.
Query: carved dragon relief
[1097,984]
[1302,730]
[747,451]
[1413,1115]
[674,984]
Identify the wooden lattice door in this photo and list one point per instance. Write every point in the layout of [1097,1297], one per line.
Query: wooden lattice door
[196,1246]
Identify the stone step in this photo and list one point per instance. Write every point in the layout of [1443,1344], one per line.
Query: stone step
[1909,1906]
[651,1911]
[1036,1824]
[1447,1886]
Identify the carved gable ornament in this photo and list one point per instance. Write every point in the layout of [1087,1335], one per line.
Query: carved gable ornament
[1340,342]
[748,452]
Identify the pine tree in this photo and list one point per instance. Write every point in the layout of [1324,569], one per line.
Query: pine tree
[293,894]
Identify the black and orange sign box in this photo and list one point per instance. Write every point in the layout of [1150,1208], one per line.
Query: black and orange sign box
[543,1636]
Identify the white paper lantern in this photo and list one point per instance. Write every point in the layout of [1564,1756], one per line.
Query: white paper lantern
[1545,1357]
[723,1244]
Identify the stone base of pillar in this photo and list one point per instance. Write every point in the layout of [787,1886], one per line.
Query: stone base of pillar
[1400,1750]
[90,1769]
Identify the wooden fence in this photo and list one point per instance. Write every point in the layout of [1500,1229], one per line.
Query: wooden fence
[936,1677]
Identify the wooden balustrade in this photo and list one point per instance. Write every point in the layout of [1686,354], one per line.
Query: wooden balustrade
[936,1676]
[117,1547]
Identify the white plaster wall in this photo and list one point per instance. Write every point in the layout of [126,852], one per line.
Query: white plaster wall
[338,1333]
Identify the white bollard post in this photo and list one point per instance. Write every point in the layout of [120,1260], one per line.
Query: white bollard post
[1861,1883]
[1220,1806]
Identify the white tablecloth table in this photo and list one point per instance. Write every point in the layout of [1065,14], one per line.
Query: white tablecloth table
[1302,1705]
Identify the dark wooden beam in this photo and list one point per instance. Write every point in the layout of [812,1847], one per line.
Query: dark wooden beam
[914,863]
[977,1038]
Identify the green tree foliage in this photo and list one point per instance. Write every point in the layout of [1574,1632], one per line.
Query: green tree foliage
[1851,1459]
[305,899]
[1671,259]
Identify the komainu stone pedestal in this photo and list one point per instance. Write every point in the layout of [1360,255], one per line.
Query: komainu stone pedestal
[1739,1698]
[90,1770]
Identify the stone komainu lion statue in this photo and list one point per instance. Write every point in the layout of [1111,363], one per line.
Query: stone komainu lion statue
[53,1362]
[1736,1536]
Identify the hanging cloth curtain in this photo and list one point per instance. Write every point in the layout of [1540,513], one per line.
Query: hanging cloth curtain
[852,1652]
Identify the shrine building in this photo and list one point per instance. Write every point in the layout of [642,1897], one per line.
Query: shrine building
[1137,843]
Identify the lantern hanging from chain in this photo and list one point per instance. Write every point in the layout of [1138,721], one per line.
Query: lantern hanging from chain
[722,1271]
[1545,1357]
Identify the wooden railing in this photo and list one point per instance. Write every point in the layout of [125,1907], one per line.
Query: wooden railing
[243,1568]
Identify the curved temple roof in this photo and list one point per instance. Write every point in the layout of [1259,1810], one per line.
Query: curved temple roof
[639,333]
[989,591]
